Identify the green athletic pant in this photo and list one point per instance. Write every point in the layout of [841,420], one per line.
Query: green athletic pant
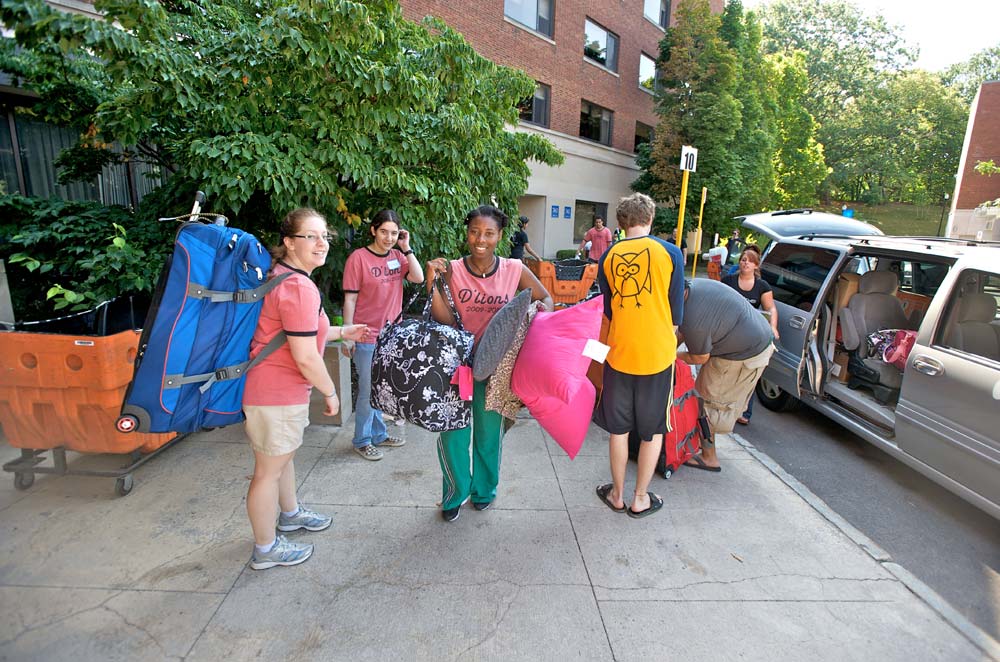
[486,438]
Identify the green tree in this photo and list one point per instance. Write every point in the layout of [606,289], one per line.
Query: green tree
[343,106]
[966,77]
[697,107]
[901,142]
[846,50]
[752,149]
[798,162]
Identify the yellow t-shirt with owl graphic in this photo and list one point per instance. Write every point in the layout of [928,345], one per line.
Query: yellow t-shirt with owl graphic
[642,280]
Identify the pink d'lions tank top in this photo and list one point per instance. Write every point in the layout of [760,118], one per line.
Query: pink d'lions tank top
[479,297]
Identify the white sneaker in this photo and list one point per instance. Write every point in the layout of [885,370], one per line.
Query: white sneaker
[283,553]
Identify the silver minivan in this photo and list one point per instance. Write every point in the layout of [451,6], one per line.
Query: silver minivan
[838,299]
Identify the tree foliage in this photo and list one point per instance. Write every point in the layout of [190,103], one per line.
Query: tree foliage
[341,105]
[697,106]
[901,142]
[966,77]
[888,132]
[799,165]
[756,144]
[846,51]
[753,145]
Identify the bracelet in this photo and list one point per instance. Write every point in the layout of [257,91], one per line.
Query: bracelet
[408,252]
[332,395]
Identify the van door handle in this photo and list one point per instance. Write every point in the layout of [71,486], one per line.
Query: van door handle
[796,321]
[928,366]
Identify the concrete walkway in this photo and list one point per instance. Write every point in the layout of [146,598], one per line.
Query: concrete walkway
[738,565]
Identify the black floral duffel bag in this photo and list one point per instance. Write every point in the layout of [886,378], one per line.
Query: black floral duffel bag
[413,366]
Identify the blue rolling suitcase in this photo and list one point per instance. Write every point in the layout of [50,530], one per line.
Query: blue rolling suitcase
[194,349]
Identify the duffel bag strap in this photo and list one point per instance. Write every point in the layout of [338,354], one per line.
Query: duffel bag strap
[229,372]
[446,292]
[239,296]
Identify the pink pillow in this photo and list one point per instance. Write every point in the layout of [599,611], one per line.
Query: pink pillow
[550,374]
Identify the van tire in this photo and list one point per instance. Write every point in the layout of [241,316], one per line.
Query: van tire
[774,398]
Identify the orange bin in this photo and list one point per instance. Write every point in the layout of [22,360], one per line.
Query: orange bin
[63,390]
[566,292]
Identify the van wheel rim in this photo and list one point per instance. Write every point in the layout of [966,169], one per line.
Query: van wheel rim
[770,389]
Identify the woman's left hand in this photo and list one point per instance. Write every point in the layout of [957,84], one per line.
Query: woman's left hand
[354,332]
[403,241]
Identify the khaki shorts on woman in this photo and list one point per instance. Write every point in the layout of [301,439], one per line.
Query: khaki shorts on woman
[276,430]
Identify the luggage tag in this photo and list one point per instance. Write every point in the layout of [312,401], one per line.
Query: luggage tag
[596,350]
[463,378]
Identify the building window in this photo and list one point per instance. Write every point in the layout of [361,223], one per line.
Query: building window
[586,212]
[595,123]
[535,109]
[649,75]
[535,14]
[26,164]
[658,11]
[600,45]
[643,135]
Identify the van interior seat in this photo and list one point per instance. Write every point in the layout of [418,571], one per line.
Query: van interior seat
[975,332]
[874,307]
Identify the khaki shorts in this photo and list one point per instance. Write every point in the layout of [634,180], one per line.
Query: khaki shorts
[726,385]
[276,430]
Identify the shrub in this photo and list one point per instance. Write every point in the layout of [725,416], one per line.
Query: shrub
[74,255]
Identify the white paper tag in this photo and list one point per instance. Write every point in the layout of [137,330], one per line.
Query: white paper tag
[393,263]
[595,349]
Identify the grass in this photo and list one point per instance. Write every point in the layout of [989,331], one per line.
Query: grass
[897,218]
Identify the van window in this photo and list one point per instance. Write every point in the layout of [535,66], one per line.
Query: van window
[973,315]
[796,273]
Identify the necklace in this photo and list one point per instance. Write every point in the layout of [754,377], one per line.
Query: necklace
[492,263]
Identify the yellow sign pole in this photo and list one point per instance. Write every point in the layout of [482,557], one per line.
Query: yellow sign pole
[697,249]
[680,211]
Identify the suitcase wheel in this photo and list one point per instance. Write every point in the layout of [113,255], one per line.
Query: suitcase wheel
[668,472]
[123,485]
[126,423]
[23,480]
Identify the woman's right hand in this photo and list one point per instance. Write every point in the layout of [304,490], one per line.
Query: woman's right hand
[434,267]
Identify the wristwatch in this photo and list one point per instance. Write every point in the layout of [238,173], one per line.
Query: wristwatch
[408,251]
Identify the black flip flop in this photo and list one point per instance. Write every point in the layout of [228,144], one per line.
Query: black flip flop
[655,503]
[602,493]
[700,464]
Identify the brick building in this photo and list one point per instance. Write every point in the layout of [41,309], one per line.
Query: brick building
[594,65]
[968,217]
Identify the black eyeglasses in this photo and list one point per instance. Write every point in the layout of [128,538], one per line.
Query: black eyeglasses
[313,238]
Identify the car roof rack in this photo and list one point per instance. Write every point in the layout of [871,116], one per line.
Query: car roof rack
[943,240]
[818,235]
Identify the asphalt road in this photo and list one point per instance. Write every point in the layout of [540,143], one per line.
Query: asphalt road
[950,545]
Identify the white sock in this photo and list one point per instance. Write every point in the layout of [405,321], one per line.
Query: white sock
[292,513]
[264,549]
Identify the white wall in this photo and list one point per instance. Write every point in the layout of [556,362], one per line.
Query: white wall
[590,172]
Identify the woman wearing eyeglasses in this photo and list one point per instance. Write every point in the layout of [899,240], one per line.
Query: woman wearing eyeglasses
[373,295]
[276,396]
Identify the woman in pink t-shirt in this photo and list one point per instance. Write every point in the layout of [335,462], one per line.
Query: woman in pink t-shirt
[276,396]
[373,295]
[481,283]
